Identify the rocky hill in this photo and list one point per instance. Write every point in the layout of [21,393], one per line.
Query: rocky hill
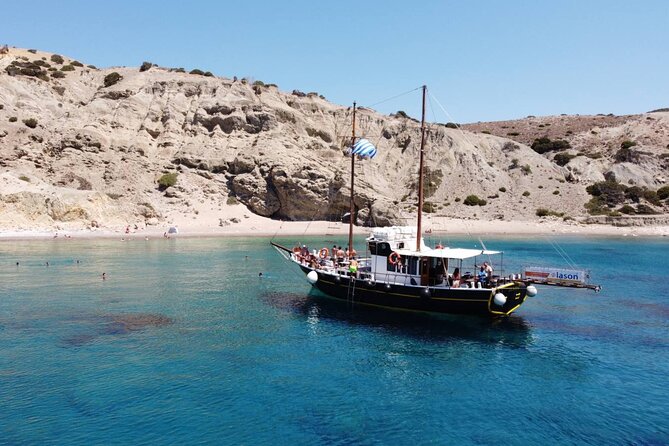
[82,147]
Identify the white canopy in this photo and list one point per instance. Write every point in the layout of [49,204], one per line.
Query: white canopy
[447,253]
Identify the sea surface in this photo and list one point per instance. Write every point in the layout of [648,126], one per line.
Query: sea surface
[184,343]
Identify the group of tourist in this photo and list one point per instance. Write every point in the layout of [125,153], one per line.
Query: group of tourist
[328,259]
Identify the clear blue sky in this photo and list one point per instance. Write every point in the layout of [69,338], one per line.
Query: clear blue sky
[483,60]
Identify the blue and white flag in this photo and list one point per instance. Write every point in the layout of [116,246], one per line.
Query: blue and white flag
[363,149]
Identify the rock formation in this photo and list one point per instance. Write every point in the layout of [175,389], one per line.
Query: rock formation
[81,147]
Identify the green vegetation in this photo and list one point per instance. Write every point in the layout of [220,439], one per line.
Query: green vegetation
[112,79]
[57,74]
[502,189]
[55,58]
[76,63]
[545,145]
[556,192]
[473,200]
[513,134]
[627,144]
[24,178]
[208,74]
[167,180]
[452,125]
[197,71]
[627,209]
[146,66]
[626,154]
[526,169]
[30,122]
[663,193]
[543,212]
[258,84]
[399,114]
[563,158]
[526,193]
[12,119]
[67,68]
[232,200]
[429,207]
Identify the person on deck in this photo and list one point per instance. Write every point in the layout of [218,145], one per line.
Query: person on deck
[482,276]
[455,279]
[353,267]
[488,270]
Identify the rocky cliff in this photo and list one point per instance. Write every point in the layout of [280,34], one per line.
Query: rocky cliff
[81,147]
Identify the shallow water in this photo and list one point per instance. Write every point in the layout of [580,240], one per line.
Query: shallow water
[184,343]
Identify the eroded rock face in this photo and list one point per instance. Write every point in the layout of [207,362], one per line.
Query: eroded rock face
[74,151]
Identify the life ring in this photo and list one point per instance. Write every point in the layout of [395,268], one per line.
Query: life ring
[394,258]
[324,253]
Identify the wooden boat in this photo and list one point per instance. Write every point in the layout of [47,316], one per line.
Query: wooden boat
[400,271]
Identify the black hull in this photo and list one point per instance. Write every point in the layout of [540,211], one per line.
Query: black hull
[416,298]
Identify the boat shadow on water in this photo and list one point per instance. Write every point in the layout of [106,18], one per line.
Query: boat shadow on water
[511,331]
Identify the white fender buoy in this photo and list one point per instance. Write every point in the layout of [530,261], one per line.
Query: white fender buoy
[312,277]
[532,291]
[499,299]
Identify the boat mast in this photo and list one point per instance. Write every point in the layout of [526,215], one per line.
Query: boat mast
[420,173]
[350,216]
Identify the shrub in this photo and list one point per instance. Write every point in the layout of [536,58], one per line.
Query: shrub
[167,180]
[543,212]
[563,158]
[197,71]
[12,119]
[627,209]
[208,74]
[76,63]
[627,144]
[485,132]
[457,199]
[544,145]
[112,79]
[24,178]
[526,169]
[663,193]
[67,68]
[609,192]
[513,134]
[451,125]
[526,193]
[402,114]
[258,84]
[644,209]
[57,74]
[92,67]
[514,163]
[625,154]
[146,66]
[473,200]
[30,122]
[55,58]
[429,207]
[32,51]
[502,189]
[556,192]
[232,200]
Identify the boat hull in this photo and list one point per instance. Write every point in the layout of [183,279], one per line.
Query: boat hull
[417,298]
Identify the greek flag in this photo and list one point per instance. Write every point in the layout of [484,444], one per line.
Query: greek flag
[363,148]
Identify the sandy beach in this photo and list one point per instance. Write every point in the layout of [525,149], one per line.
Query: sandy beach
[253,225]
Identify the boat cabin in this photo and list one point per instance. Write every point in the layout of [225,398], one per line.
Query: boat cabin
[394,259]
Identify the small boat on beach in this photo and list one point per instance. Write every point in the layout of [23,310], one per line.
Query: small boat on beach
[399,270]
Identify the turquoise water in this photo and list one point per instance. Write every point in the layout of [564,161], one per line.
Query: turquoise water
[185,344]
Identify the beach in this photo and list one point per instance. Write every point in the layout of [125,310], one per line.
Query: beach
[241,223]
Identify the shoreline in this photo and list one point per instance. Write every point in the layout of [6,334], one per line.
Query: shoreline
[256,226]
